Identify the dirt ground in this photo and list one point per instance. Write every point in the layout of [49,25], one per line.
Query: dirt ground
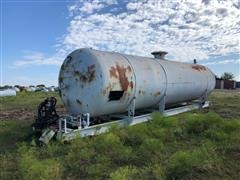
[24,114]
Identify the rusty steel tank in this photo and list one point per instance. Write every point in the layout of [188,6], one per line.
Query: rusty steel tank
[101,83]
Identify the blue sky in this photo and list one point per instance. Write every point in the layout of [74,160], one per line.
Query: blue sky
[37,35]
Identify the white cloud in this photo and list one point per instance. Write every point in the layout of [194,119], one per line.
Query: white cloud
[187,30]
[237,78]
[24,80]
[89,7]
[111,2]
[230,61]
[37,58]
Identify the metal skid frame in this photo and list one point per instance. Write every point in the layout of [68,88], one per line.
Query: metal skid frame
[82,122]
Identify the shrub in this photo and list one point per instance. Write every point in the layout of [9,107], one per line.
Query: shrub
[124,173]
[232,126]
[135,135]
[8,166]
[152,171]
[79,156]
[217,135]
[190,163]
[33,168]
[100,168]
[185,146]
[96,157]
[198,124]
[149,151]
[111,146]
[164,122]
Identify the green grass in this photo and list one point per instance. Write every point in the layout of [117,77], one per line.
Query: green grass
[13,132]
[25,100]
[226,103]
[193,145]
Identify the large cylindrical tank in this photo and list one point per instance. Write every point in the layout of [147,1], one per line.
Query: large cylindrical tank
[100,83]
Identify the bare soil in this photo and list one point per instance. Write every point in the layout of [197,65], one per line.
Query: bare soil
[24,114]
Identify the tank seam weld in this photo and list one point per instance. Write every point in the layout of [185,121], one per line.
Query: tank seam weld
[165,77]
[135,84]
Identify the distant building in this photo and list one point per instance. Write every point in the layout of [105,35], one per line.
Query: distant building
[238,85]
[225,84]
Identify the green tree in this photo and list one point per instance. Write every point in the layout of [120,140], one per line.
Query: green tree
[227,76]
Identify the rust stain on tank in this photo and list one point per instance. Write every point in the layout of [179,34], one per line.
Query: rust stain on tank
[131,84]
[113,72]
[120,73]
[129,69]
[157,94]
[86,76]
[199,67]
[107,89]
[104,91]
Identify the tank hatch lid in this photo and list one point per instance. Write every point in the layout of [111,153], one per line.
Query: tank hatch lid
[159,54]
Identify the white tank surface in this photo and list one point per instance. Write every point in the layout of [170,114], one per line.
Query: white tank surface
[8,92]
[101,83]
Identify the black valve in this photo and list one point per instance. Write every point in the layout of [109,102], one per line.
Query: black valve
[47,114]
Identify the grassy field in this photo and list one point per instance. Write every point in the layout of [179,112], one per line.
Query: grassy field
[193,145]
[226,103]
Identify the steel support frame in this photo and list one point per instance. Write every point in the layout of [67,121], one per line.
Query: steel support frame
[66,134]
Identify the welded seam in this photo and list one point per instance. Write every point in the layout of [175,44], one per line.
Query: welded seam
[135,84]
[165,77]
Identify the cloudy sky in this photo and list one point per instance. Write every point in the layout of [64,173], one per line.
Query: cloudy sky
[37,35]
